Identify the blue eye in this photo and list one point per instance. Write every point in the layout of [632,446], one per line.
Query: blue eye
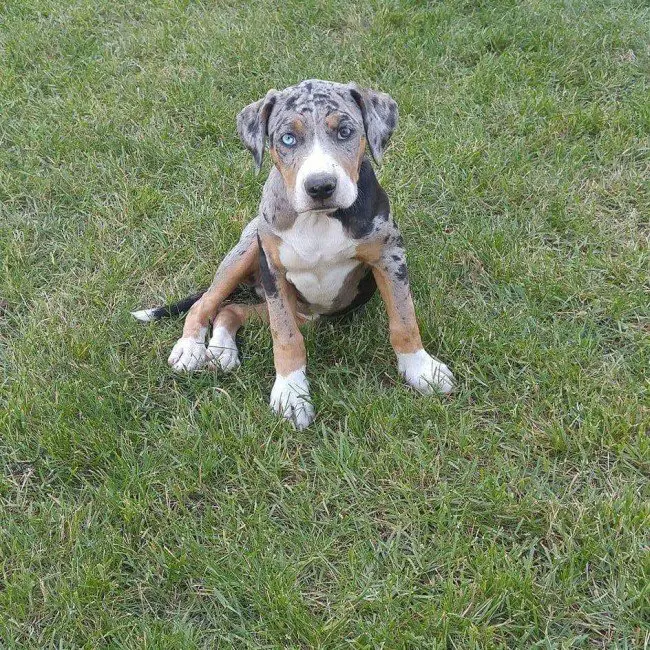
[344,132]
[289,139]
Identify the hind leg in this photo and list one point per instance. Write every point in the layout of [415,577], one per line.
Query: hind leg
[222,349]
[189,353]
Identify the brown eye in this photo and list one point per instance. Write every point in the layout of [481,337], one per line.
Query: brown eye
[344,132]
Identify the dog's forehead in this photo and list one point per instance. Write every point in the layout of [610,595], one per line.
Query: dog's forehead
[313,97]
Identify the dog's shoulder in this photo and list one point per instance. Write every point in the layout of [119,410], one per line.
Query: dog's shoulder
[275,209]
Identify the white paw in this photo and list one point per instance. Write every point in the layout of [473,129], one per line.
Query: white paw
[424,372]
[290,399]
[222,350]
[187,354]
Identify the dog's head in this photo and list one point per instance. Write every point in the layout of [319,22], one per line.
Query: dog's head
[318,132]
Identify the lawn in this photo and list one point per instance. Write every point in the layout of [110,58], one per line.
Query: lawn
[144,509]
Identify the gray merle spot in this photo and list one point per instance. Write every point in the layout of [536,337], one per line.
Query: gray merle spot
[402,274]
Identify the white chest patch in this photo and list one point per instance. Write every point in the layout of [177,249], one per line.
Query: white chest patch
[318,256]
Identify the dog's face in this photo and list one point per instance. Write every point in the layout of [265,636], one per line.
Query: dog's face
[318,132]
[318,150]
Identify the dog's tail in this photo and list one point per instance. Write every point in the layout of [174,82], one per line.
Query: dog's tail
[249,293]
[175,309]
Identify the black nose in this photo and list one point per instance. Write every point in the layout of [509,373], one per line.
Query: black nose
[320,186]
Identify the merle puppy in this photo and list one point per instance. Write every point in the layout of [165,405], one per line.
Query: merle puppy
[322,242]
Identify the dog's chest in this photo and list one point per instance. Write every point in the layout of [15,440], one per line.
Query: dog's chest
[318,256]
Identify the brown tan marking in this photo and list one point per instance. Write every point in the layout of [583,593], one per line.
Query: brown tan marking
[271,244]
[298,126]
[233,316]
[402,324]
[361,154]
[352,167]
[289,352]
[369,252]
[289,172]
[333,120]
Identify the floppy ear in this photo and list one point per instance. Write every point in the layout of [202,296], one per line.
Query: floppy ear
[379,112]
[252,123]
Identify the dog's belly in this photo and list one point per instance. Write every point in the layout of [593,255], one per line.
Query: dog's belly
[318,256]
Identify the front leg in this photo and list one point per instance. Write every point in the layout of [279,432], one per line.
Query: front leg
[290,394]
[420,370]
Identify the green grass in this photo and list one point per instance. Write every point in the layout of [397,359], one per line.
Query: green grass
[141,509]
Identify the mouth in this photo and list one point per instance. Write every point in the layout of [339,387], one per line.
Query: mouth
[320,207]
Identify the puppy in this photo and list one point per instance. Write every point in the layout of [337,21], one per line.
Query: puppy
[323,241]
